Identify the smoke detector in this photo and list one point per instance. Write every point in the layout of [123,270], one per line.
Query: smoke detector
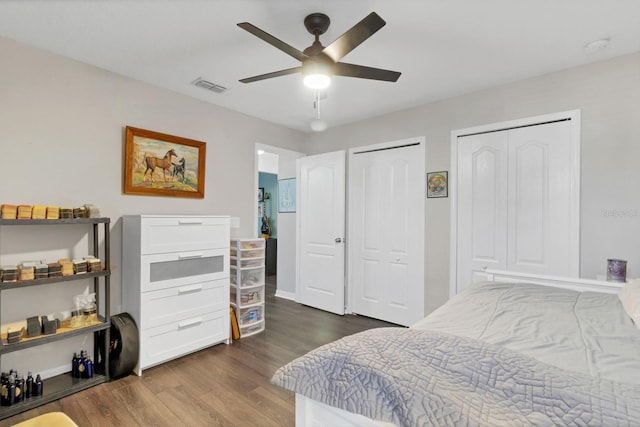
[205,84]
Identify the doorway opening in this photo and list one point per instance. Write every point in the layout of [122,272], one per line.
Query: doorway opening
[272,165]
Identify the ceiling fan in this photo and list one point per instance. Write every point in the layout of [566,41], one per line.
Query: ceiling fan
[319,63]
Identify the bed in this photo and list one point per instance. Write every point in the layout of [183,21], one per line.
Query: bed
[516,350]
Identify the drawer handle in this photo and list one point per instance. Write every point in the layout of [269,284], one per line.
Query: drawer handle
[190,322]
[189,256]
[187,289]
[190,221]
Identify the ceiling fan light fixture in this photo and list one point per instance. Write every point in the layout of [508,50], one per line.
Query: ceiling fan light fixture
[316,74]
[317,81]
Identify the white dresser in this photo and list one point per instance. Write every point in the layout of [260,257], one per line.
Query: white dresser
[175,283]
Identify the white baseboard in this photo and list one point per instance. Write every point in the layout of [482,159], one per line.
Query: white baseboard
[286,295]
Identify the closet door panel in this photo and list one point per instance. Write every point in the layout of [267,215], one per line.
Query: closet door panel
[482,202]
[540,225]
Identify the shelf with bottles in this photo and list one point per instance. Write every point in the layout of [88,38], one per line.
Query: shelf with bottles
[54,388]
[63,385]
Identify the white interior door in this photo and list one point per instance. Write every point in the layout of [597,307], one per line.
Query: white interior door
[386,231]
[321,220]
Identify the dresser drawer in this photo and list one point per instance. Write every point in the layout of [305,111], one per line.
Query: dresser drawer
[174,234]
[161,271]
[183,302]
[179,338]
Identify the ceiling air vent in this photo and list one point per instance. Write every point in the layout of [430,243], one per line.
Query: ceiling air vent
[200,82]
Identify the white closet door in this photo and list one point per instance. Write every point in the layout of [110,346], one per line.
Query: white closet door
[386,229]
[482,206]
[540,178]
[517,202]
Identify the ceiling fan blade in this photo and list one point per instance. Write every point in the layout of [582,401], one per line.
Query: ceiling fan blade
[351,70]
[354,36]
[273,41]
[271,75]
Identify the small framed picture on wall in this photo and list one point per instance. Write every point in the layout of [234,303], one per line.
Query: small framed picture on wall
[437,184]
[260,194]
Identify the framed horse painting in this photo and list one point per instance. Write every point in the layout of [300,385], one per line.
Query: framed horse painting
[157,164]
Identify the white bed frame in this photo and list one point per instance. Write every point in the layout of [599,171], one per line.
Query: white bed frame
[311,413]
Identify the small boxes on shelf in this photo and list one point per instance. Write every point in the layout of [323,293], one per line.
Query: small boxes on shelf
[39,212]
[41,271]
[9,273]
[53,212]
[55,269]
[66,212]
[93,264]
[24,212]
[79,266]
[66,266]
[9,211]
[27,272]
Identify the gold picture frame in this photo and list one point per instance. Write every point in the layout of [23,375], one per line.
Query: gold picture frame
[157,164]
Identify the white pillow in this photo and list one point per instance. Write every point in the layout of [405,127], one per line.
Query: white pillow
[630,299]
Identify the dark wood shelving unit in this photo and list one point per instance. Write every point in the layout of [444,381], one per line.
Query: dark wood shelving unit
[63,385]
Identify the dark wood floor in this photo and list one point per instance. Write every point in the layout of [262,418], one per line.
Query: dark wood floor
[225,385]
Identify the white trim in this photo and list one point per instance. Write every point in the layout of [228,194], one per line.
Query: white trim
[286,295]
[576,284]
[575,117]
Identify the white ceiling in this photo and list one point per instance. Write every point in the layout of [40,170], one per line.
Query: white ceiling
[442,47]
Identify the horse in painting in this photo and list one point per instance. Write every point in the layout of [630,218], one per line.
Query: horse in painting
[162,163]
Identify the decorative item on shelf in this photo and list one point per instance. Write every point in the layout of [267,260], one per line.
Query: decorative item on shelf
[15,335]
[39,212]
[616,270]
[24,211]
[49,327]
[9,211]
[55,269]
[92,211]
[53,212]
[41,271]
[9,273]
[66,212]
[79,266]
[27,272]
[80,212]
[93,264]
[66,266]
[34,327]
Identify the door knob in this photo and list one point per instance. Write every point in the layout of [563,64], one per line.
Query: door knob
[338,240]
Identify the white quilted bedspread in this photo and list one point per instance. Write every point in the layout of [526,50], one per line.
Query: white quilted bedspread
[423,378]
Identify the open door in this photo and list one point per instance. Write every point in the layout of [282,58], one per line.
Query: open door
[321,231]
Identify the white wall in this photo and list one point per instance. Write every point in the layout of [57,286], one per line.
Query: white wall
[607,93]
[62,143]
[62,139]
